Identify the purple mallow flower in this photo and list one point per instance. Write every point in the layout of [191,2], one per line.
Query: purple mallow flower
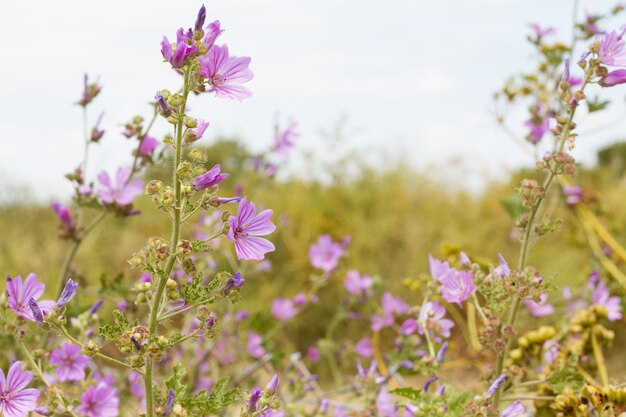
[124,191]
[15,399]
[148,145]
[255,348]
[541,32]
[495,385]
[613,78]
[70,362]
[200,18]
[600,296]
[573,194]
[196,133]
[236,281]
[100,400]
[358,284]
[612,50]
[283,309]
[392,307]
[212,31]
[69,291]
[246,228]
[283,141]
[183,49]
[20,294]
[325,253]
[170,400]
[64,214]
[225,73]
[515,409]
[457,286]
[272,385]
[253,401]
[209,179]
[364,348]
[541,308]
[431,319]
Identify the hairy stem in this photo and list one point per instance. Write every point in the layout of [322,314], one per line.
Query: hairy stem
[156,300]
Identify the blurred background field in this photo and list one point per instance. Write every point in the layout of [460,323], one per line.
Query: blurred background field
[394,214]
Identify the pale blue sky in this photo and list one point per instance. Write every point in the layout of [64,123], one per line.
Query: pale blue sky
[414,78]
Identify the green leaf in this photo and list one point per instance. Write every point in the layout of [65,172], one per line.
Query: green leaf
[113,331]
[175,383]
[200,246]
[595,104]
[408,392]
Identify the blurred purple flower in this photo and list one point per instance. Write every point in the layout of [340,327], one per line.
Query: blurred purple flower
[495,385]
[192,135]
[540,309]
[313,354]
[15,399]
[246,228]
[283,309]
[255,348]
[573,194]
[19,294]
[64,214]
[364,347]
[541,32]
[100,400]
[357,284]
[600,296]
[409,327]
[515,409]
[148,145]
[124,191]
[236,281]
[438,269]
[385,405]
[283,141]
[70,362]
[550,351]
[325,253]
[225,73]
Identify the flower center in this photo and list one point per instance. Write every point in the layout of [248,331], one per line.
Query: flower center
[240,233]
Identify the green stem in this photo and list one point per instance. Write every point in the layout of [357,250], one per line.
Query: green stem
[156,300]
[527,237]
[597,353]
[77,342]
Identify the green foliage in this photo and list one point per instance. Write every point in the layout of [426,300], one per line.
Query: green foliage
[567,376]
[219,398]
[113,331]
[197,293]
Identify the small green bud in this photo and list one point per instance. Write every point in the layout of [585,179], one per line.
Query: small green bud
[153,187]
[191,123]
[199,155]
[137,120]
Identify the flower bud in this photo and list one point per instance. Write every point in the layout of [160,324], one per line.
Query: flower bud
[191,122]
[153,187]
[199,155]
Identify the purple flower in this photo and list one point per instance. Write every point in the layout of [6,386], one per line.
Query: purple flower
[246,228]
[100,400]
[19,295]
[209,179]
[34,308]
[550,351]
[236,281]
[392,307]
[385,405]
[283,309]
[600,296]
[614,78]
[253,401]
[431,319]
[224,73]
[537,128]
[272,386]
[515,409]
[612,51]
[64,214]
[70,362]
[313,354]
[124,192]
[357,284]
[457,287]
[409,327]
[192,135]
[300,299]
[255,349]
[170,397]
[15,400]
[69,291]
[573,194]
[213,30]
[428,382]
[438,268]
[200,18]
[283,141]
[162,105]
[148,145]
[540,309]
[184,48]
[495,385]
[442,352]
[325,253]
[364,348]
[541,32]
